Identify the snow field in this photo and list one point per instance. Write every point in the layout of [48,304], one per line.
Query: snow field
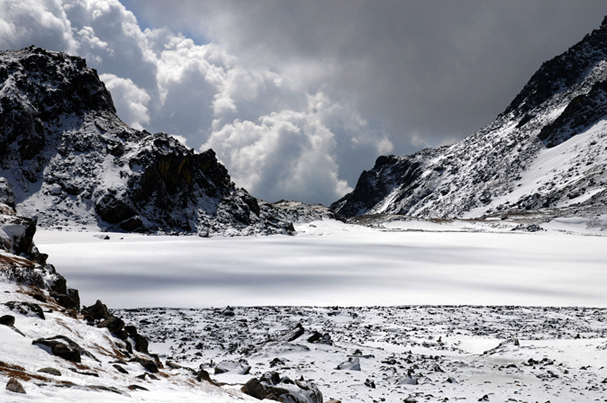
[330,263]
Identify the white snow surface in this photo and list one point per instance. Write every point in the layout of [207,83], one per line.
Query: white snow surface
[331,263]
[432,310]
[74,385]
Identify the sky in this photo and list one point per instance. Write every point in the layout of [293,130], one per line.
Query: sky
[297,98]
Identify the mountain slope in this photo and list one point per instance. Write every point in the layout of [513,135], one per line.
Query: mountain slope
[72,162]
[546,152]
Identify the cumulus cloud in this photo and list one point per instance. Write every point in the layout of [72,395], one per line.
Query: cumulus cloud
[283,153]
[297,98]
[129,99]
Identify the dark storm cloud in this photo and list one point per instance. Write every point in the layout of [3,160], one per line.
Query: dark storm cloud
[298,97]
[435,68]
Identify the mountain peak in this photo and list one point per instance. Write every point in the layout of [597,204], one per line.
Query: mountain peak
[545,153]
[73,163]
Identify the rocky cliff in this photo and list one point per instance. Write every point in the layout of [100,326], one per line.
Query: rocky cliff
[546,153]
[73,163]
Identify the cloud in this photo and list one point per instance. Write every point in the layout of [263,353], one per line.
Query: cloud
[27,22]
[129,99]
[298,98]
[283,153]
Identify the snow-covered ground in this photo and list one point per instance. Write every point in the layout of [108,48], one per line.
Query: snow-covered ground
[331,263]
[414,311]
[421,353]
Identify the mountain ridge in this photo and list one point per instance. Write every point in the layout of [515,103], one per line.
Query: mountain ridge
[72,162]
[555,122]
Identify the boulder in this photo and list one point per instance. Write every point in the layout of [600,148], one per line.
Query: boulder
[272,386]
[15,386]
[63,350]
[70,299]
[149,365]
[64,347]
[51,371]
[26,308]
[294,333]
[240,367]
[115,325]
[7,320]
[353,364]
[254,388]
[317,337]
[141,343]
[96,311]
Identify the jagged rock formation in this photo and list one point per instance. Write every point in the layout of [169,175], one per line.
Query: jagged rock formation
[38,302]
[72,162]
[547,152]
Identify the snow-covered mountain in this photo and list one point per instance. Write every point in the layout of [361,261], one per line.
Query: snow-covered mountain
[73,163]
[547,152]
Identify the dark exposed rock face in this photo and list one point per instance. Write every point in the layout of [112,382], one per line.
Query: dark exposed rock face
[63,147]
[26,308]
[271,386]
[96,311]
[68,351]
[498,170]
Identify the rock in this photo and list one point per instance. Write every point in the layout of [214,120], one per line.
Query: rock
[64,351]
[370,383]
[6,193]
[254,388]
[149,365]
[15,386]
[407,380]
[137,387]
[503,346]
[115,325]
[26,308]
[485,398]
[240,367]
[120,369]
[294,333]
[277,362]
[7,320]
[272,386]
[96,375]
[229,311]
[70,299]
[66,348]
[131,330]
[320,338]
[96,311]
[141,343]
[203,375]
[353,364]
[49,370]
[451,380]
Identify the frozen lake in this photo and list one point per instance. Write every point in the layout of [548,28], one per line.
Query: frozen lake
[330,263]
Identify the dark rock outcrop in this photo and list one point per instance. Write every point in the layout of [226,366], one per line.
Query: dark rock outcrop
[492,172]
[115,325]
[68,351]
[26,308]
[62,146]
[96,311]
[271,386]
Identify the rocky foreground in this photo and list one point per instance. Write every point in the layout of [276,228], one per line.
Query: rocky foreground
[54,350]
[410,353]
